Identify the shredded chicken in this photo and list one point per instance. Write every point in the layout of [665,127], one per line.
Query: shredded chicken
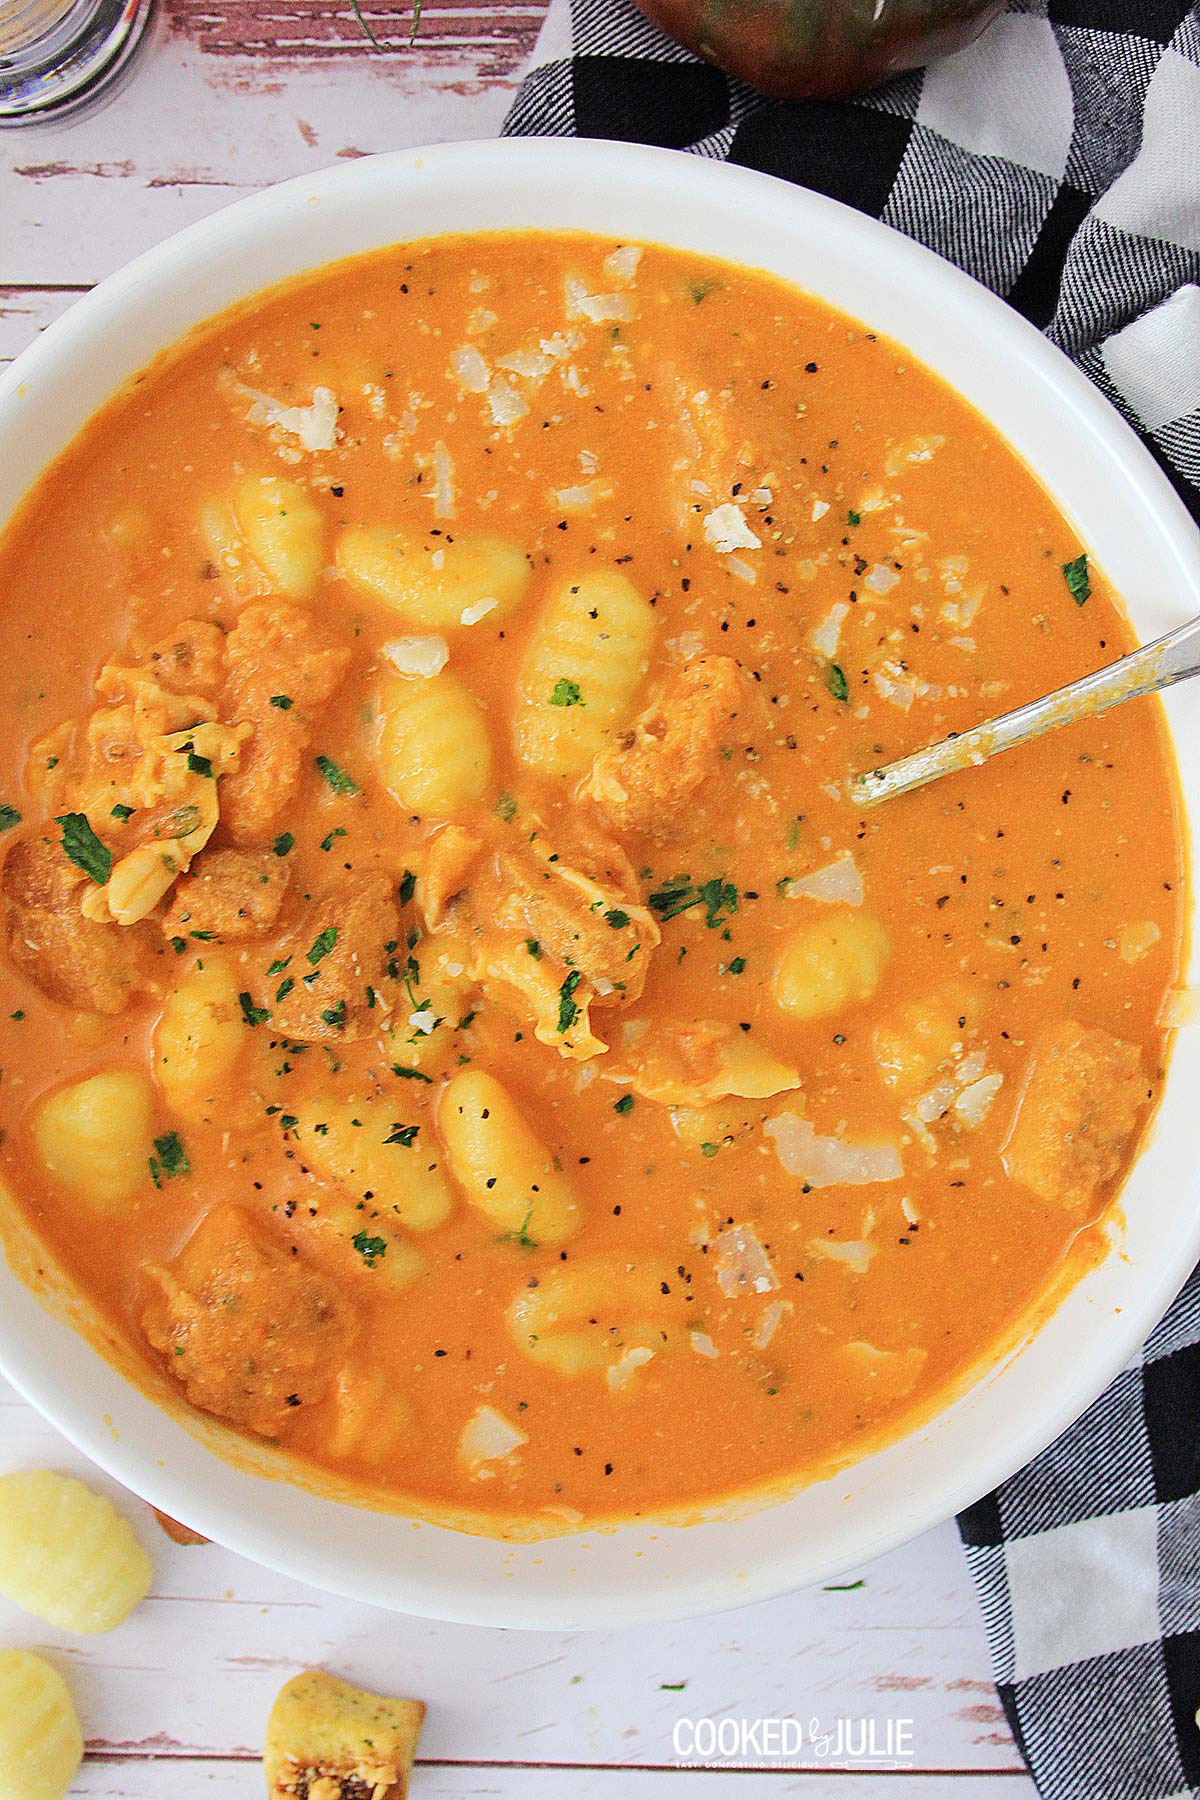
[276,649]
[248,1330]
[664,757]
[69,957]
[228,894]
[1083,1094]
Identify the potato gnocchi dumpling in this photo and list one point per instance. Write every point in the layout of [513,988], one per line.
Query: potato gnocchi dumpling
[587,658]
[435,753]
[441,583]
[327,1740]
[96,1137]
[500,1165]
[41,1744]
[201,1038]
[66,1555]
[829,965]
[600,1313]
[388,1166]
[284,530]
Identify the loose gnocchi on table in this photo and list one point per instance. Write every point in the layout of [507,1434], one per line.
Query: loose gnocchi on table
[457,1029]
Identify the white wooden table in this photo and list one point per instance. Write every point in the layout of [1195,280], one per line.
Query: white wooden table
[228,96]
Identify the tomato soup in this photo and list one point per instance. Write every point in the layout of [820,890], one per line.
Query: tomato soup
[456,1023]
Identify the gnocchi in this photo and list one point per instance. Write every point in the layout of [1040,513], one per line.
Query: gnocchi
[284,530]
[41,1744]
[435,753]
[600,1314]
[435,584]
[500,1165]
[66,1556]
[587,659]
[96,1137]
[829,965]
[395,1168]
[201,1038]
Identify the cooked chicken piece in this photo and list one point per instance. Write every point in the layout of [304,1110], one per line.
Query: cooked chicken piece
[282,668]
[327,1740]
[565,930]
[249,1330]
[92,967]
[448,858]
[229,894]
[580,923]
[190,659]
[346,963]
[645,776]
[1083,1095]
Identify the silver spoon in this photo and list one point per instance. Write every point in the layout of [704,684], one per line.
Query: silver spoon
[1158,665]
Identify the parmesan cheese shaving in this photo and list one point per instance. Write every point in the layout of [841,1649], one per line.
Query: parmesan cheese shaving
[470,370]
[828,1161]
[315,426]
[421,657]
[725,528]
[742,1265]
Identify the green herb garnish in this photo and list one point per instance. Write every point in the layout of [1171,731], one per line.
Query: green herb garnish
[283,843]
[170,1158]
[253,1015]
[371,1249]
[122,812]
[624,1104]
[339,781]
[322,944]
[566,693]
[835,681]
[568,1012]
[1077,578]
[282,701]
[9,816]
[402,1134]
[82,847]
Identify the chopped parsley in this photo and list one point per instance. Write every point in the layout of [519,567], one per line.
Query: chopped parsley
[408,887]
[835,681]
[82,847]
[522,1236]
[566,693]
[9,816]
[708,1149]
[505,808]
[199,765]
[853,518]
[718,897]
[283,843]
[284,989]
[568,1012]
[282,701]
[1077,578]
[122,812]
[339,781]
[322,944]
[617,919]
[402,1134]
[169,1159]
[534,949]
[371,1249]
[700,290]
[410,1074]
[736,965]
[253,1015]
[337,832]
[279,965]
[335,1016]
[178,945]
[624,1104]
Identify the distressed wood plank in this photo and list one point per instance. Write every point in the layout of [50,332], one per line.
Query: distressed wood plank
[26,311]
[144,1779]
[231,95]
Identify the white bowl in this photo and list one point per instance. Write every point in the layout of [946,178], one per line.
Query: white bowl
[1137,530]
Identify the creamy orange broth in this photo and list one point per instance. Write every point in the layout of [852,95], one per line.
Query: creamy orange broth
[729,461]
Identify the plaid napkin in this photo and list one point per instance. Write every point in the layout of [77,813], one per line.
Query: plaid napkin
[1058,161]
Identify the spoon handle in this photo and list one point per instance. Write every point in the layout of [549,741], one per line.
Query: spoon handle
[1172,658]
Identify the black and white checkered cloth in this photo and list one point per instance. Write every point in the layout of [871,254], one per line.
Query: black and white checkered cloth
[1058,161]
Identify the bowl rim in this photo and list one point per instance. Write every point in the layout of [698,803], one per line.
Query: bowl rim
[483,166]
